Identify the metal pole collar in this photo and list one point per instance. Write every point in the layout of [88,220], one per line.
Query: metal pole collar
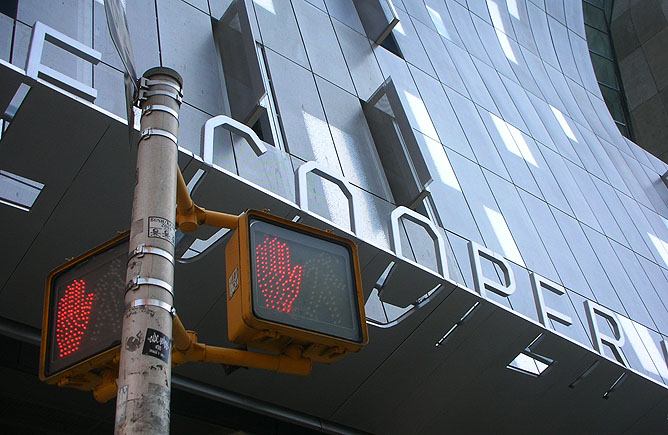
[141,280]
[152,303]
[143,249]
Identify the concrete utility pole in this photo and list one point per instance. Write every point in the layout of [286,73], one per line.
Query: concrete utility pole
[144,377]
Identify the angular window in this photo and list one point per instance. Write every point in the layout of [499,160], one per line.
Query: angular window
[529,362]
[597,15]
[398,149]
[247,79]
[379,18]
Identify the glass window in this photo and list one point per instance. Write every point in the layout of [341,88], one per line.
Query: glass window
[605,70]
[599,42]
[594,16]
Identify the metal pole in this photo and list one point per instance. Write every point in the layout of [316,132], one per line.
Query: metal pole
[144,377]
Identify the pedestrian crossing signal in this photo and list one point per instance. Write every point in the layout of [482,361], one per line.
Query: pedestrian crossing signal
[83,311]
[292,284]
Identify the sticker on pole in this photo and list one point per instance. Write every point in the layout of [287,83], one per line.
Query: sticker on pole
[161,228]
[157,345]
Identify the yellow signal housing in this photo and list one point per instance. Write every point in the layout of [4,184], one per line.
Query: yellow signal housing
[81,321]
[290,284]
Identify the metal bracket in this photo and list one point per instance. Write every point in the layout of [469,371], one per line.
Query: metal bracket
[145,83]
[144,94]
[157,132]
[159,108]
[142,249]
[152,303]
[140,280]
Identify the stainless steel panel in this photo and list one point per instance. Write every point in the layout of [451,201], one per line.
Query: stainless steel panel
[322,47]
[360,60]
[192,53]
[279,30]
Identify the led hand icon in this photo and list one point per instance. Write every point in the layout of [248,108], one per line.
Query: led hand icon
[278,281]
[72,315]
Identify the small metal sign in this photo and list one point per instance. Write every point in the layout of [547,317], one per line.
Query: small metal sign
[120,35]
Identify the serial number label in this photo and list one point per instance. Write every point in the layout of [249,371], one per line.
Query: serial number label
[161,228]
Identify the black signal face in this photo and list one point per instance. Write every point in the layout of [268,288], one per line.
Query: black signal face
[302,280]
[86,309]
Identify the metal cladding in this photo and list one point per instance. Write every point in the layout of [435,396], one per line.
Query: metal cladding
[512,242]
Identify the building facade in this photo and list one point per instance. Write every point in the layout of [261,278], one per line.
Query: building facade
[513,244]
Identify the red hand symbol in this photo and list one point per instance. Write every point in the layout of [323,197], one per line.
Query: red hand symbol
[276,279]
[72,315]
